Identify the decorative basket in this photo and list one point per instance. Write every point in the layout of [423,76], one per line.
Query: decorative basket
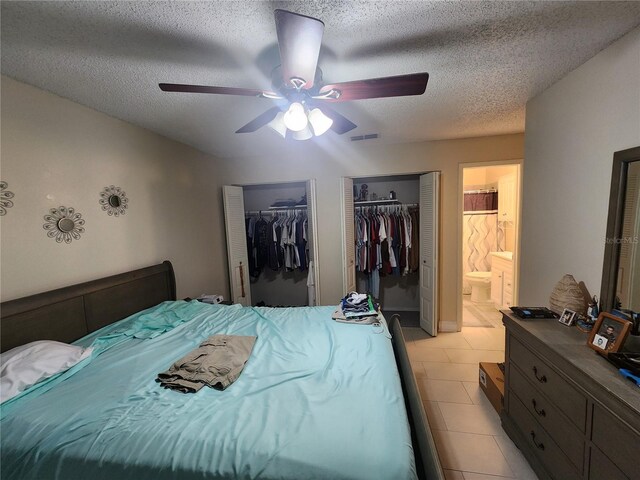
[567,294]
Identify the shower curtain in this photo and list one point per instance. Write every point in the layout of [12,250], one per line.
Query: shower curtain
[481,234]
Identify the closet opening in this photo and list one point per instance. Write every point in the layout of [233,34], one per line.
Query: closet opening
[272,243]
[390,244]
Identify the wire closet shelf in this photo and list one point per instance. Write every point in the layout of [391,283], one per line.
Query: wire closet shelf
[382,205]
[273,210]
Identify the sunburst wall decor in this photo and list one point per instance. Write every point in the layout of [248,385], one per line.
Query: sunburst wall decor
[113,200]
[64,224]
[5,196]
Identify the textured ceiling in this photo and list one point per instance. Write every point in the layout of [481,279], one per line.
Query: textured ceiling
[485,60]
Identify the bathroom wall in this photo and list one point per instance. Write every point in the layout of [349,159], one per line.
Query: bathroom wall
[488,177]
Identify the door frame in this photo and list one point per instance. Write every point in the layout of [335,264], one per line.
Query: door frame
[516,253]
[314,220]
[440,216]
[342,212]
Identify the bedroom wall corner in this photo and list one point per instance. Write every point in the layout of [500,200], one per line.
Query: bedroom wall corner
[572,130]
[57,152]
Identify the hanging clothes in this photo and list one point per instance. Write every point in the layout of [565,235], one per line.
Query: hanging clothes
[386,242]
[261,244]
[279,243]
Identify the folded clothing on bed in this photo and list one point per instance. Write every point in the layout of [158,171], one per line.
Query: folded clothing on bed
[358,305]
[216,363]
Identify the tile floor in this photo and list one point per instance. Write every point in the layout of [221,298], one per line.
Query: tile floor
[470,440]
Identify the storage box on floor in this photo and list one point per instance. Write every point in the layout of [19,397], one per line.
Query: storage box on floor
[492,384]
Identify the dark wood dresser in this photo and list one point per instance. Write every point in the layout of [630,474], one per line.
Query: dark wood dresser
[567,408]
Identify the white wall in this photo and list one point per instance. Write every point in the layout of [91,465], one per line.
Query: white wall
[327,160]
[57,152]
[572,130]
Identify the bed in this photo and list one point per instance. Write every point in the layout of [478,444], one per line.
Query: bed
[317,398]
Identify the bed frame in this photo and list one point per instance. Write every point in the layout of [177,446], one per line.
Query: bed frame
[69,313]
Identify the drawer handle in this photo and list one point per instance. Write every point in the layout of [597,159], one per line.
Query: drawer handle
[542,378]
[540,412]
[533,437]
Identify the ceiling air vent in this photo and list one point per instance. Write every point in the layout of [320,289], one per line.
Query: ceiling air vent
[369,136]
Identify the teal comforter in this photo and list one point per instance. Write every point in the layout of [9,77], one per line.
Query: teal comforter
[317,399]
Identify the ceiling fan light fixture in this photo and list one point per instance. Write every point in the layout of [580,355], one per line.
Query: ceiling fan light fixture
[295,118]
[277,124]
[319,121]
[304,134]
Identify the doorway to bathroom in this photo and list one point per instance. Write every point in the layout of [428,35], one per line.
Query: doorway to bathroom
[489,206]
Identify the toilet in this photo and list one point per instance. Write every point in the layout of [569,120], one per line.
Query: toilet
[480,286]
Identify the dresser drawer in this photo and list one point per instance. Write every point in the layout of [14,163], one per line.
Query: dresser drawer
[566,398]
[617,441]
[601,468]
[563,432]
[555,462]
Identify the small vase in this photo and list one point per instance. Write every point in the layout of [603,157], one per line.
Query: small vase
[567,294]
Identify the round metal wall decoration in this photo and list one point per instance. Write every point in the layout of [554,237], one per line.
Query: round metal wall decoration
[113,200]
[64,224]
[5,196]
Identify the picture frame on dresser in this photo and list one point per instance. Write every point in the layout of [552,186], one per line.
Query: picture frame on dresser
[568,317]
[609,333]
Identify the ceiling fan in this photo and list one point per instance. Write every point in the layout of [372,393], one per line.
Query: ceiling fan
[298,89]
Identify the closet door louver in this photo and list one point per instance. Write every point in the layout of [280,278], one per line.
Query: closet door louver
[236,244]
[312,231]
[348,237]
[429,234]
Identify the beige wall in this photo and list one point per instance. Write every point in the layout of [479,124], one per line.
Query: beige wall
[327,162]
[572,130]
[56,152]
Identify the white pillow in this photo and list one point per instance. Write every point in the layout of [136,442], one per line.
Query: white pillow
[24,366]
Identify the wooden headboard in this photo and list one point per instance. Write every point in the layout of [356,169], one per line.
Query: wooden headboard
[69,313]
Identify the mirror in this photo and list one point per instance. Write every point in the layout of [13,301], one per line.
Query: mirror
[621,269]
[114,201]
[66,225]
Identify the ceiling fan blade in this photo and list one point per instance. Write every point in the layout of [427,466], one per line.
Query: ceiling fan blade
[398,86]
[299,40]
[260,121]
[340,124]
[179,87]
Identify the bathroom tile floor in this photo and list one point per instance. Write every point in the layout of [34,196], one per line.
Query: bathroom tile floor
[470,441]
[478,315]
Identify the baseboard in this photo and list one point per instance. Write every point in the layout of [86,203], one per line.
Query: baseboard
[401,309]
[448,326]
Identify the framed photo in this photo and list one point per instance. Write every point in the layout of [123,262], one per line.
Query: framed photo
[609,333]
[568,317]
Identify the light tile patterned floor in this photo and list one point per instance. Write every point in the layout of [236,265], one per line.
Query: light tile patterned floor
[470,440]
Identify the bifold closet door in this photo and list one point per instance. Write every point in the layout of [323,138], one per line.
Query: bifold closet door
[233,198]
[348,237]
[429,234]
[312,232]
